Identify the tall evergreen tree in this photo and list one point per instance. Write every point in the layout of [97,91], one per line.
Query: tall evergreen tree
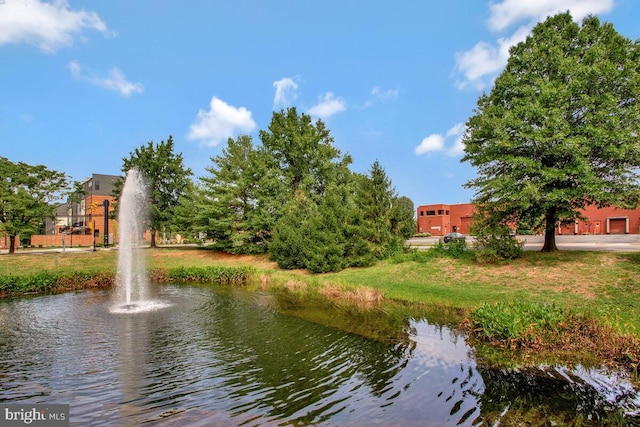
[295,197]
[188,213]
[290,246]
[234,197]
[376,197]
[559,130]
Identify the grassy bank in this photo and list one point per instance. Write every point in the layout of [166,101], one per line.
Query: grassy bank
[604,287]
[59,272]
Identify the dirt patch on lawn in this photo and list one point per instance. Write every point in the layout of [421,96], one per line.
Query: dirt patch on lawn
[570,278]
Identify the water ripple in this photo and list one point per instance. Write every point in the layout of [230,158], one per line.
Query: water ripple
[209,359]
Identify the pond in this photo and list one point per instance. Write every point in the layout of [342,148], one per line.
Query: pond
[211,356]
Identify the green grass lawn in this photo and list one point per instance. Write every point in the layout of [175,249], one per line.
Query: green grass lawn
[604,285]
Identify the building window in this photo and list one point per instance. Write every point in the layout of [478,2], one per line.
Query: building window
[446,212]
[421,213]
[441,212]
[97,186]
[431,213]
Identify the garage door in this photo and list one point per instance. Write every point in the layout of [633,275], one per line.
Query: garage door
[617,225]
[465,225]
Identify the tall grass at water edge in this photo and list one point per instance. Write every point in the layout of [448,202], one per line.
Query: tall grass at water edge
[604,286]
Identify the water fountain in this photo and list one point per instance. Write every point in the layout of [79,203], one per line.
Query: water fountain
[132,281]
[236,357]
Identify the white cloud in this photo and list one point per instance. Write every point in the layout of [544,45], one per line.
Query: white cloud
[509,12]
[457,148]
[431,143]
[436,142]
[457,129]
[49,26]
[327,106]
[285,91]
[485,60]
[222,121]
[115,80]
[482,63]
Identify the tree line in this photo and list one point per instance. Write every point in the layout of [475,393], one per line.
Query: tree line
[559,130]
[292,196]
[295,197]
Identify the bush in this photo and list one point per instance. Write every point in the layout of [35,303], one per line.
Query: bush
[545,327]
[326,258]
[455,248]
[493,249]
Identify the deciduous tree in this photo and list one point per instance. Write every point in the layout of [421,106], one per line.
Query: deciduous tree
[167,180]
[560,128]
[27,197]
[302,152]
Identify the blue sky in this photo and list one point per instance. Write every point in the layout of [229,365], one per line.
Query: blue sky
[83,83]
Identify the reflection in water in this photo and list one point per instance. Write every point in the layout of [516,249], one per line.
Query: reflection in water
[213,359]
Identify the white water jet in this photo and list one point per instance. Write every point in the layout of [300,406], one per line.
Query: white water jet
[131,280]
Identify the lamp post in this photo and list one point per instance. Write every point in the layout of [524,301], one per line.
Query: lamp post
[93,231]
[106,222]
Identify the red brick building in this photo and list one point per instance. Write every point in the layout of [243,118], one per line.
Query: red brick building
[441,219]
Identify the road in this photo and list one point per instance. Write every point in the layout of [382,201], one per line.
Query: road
[607,243]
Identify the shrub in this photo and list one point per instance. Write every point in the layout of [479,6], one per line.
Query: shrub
[455,248]
[495,248]
[545,327]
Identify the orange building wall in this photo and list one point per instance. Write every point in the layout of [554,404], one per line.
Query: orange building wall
[597,220]
[4,240]
[461,217]
[609,220]
[444,218]
[57,240]
[434,219]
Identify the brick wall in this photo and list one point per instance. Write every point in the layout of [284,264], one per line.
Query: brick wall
[56,240]
[439,219]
